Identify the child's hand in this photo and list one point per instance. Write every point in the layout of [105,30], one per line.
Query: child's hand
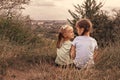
[72,52]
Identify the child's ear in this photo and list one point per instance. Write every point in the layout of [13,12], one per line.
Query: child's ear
[82,30]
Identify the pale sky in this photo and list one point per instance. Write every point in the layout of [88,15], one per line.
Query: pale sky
[58,9]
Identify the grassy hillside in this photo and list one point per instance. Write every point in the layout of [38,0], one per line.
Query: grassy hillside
[33,59]
[36,62]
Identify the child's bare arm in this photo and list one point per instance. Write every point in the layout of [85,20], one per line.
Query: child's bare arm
[95,55]
[72,52]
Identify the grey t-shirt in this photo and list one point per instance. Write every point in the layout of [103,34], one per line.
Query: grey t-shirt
[85,47]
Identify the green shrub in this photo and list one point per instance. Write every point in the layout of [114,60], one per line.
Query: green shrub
[16,31]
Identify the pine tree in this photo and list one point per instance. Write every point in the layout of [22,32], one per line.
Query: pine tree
[102,25]
[89,9]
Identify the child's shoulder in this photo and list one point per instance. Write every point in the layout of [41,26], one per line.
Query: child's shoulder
[93,40]
[68,42]
[84,38]
[78,37]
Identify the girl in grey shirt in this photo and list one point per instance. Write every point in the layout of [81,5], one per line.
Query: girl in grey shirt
[83,46]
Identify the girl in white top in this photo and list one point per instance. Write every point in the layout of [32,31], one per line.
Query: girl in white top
[64,45]
[83,46]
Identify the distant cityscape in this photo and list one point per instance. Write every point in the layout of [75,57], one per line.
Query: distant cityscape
[47,24]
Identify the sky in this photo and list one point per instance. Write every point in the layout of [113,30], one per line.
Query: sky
[58,9]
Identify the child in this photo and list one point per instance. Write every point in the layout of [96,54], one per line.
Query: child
[64,45]
[83,46]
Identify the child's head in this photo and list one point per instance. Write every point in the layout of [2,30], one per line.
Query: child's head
[65,33]
[83,26]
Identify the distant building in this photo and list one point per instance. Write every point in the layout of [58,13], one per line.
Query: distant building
[47,24]
[40,22]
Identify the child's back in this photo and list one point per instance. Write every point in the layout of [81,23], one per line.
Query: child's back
[63,54]
[85,47]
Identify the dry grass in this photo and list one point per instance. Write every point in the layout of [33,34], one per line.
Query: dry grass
[33,62]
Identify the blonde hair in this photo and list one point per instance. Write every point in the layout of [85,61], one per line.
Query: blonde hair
[62,30]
